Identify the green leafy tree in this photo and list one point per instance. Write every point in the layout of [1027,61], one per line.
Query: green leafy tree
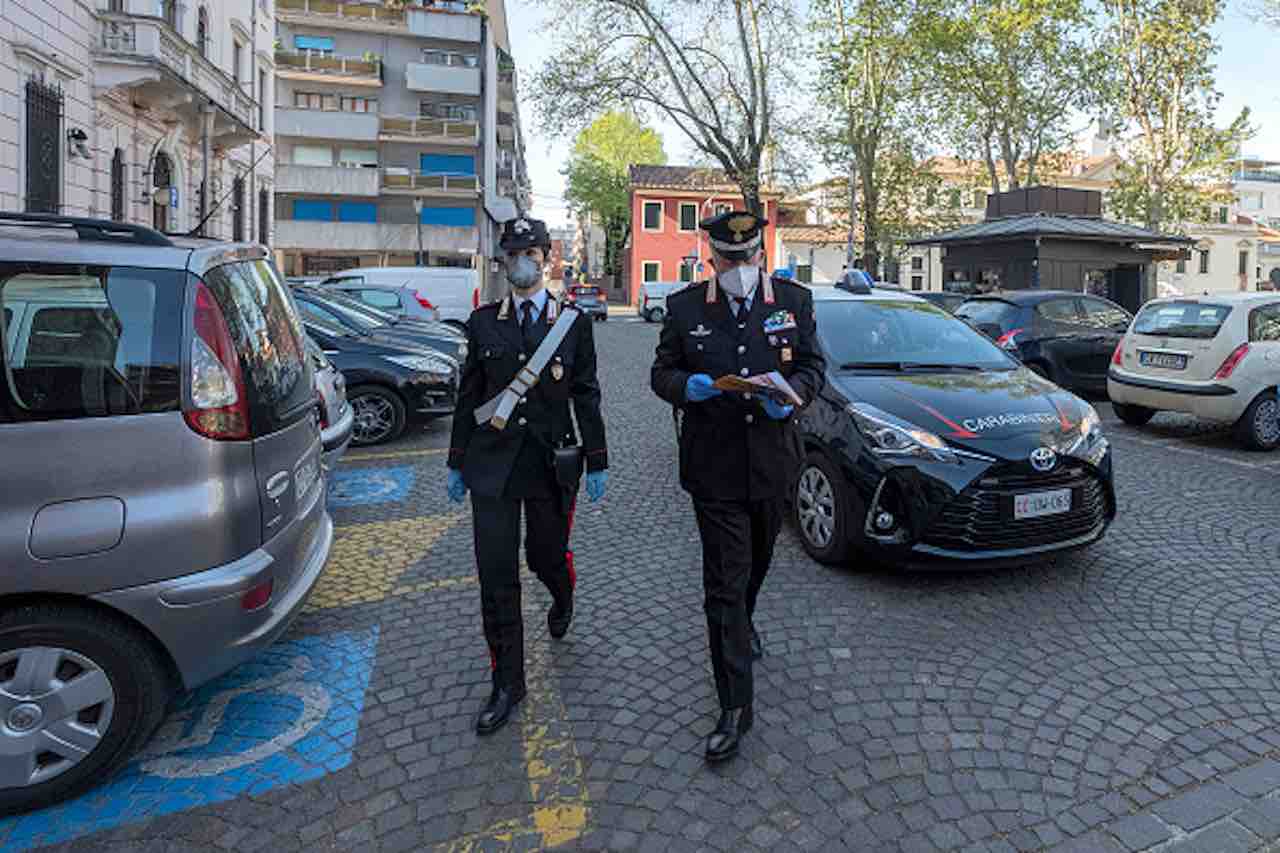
[1177,161]
[871,80]
[1012,74]
[1267,11]
[711,68]
[597,175]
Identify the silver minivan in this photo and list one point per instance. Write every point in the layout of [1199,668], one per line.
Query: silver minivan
[163,512]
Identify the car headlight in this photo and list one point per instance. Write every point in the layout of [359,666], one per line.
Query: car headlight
[462,351]
[423,363]
[890,436]
[1086,439]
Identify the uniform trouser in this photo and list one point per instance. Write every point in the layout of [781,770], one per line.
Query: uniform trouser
[496,523]
[737,547]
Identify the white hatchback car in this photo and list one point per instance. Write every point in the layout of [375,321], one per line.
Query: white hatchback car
[1216,357]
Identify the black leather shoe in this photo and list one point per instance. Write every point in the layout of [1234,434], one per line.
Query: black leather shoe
[497,710]
[757,645]
[722,743]
[558,618]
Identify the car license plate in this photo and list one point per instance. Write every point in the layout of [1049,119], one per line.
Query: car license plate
[1037,504]
[1167,360]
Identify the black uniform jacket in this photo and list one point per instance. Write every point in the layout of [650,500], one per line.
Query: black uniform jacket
[516,461]
[729,448]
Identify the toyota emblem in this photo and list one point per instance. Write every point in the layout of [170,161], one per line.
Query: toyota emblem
[1043,459]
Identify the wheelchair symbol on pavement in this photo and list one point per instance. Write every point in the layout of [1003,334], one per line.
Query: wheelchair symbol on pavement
[370,486]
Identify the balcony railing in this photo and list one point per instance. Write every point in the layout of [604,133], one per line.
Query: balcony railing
[409,181]
[373,13]
[154,40]
[317,62]
[1256,175]
[430,128]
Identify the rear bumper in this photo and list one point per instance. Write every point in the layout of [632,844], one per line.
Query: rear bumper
[336,438]
[207,606]
[1210,401]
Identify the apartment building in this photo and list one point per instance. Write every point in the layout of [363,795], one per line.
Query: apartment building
[147,111]
[398,134]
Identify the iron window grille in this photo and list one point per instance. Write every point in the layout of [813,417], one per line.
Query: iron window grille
[44,146]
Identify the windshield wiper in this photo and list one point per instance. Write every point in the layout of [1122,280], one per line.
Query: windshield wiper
[872,365]
[924,365]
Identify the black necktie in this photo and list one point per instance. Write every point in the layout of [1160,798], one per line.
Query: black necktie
[526,324]
[741,312]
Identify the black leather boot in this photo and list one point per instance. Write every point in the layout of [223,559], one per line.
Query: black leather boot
[722,743]
[497,710]
[560,614]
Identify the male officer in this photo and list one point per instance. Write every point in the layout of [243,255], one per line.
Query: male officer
[528,359]
[739,452]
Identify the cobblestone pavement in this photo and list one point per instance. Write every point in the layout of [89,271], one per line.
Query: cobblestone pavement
[1125,698]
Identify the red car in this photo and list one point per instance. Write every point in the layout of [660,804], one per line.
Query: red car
[590,300]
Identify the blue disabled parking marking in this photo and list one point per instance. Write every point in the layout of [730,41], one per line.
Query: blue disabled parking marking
[370,486]
[289,716]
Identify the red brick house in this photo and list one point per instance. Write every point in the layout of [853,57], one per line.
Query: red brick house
[667,203]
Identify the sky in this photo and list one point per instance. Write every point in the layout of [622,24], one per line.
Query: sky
[1247,76]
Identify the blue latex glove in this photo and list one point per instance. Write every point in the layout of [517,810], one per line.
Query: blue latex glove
[698,388]
[597,481]
[776,411]
[457,489]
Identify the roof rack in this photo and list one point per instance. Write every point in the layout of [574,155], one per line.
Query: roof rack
[90,229]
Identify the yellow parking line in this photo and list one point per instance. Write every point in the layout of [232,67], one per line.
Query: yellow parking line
[368,560]
[551,762]
[400,454]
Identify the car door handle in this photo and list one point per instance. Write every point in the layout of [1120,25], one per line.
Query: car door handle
[278,484]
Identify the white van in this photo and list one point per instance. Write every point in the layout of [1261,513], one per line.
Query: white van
[424,293]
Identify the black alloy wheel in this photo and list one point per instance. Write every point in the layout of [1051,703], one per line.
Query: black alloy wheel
[379,414]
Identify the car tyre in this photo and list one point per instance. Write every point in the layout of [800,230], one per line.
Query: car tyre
[656,315]
[383,414]
[820,507]
[1133,415]
[1259,426]
[61,657]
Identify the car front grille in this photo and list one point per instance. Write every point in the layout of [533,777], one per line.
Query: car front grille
[981,517]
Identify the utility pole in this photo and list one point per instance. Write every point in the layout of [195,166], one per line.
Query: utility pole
[417,218]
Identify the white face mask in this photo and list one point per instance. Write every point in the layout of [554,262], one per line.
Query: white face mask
[523,273]
[740,282]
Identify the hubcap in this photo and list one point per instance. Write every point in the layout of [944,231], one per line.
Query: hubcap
[816,507]
[1266,422]
[55,707]
[374,418]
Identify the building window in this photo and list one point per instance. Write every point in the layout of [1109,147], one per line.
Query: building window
[161,179]
[930,197]
[237,210]
[979,199]
[262,100]
[237,60]
[688,216]
[333,103]
[653,216]
[352,158]
[316,45]
[1181,266]
[917,282]
[447,111]
[955,199]
[44,147]
[312,155]
[917,262]
[1204,261]
[116,6]
[169,11]
[686,271]
[1222,216]
[723,208]
[449,57]
[1244,262]
[264,217]
[117,186]
[804,274]
[652,270]
[358,105]
[202,32]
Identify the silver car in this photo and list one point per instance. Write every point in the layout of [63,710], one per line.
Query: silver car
[337,417]
[163,513]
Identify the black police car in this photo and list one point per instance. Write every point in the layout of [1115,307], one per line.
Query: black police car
[930,445]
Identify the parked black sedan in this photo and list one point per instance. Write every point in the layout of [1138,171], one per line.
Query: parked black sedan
[1068,338]
[930,445]
[354,316]
[389,384]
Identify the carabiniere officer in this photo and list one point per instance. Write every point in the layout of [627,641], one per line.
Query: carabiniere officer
[508,460]
[739,452]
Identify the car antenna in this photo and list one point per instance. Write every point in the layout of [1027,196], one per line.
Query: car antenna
[195,232]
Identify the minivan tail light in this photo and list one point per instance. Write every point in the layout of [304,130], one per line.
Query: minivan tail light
[475,298]
[257,597]
[1237,356]
[219,407]
[1117,357]
[1009,339]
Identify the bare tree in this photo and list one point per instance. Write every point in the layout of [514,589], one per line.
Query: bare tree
[712,68]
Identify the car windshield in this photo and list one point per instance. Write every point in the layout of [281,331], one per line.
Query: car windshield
[1181,320]
[358,318]
[902,334]
[995,312]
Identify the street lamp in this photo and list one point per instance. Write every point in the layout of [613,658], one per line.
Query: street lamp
[417,217]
